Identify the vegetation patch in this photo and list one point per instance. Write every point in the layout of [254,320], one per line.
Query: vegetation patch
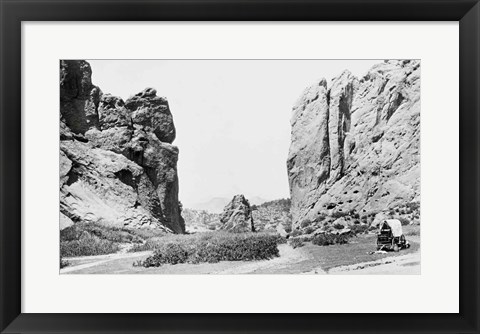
[295,233]
[353,253]
[213,247]
[63,263]
[327,239]
[149,244]
[358,229]
[87,246]
[93,239]
[296,243]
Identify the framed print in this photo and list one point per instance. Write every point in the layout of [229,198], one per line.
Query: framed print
[239,166]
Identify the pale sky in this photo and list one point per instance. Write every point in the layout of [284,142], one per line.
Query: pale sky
[232,116]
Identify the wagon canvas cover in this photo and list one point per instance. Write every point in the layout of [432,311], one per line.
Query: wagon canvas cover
[396,226]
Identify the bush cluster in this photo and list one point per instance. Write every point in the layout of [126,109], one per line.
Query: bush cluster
[339,214]
[309,229]
[149,244]
[358,229]
[84,239]
[327,239]
[63,263]
[214,247]
[296,243]
[295,233]
[113,234]
[305,223]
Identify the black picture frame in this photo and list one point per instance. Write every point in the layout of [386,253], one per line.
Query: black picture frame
[13,12]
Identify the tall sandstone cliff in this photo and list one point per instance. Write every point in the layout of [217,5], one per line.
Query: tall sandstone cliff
[355,145]
[118,166]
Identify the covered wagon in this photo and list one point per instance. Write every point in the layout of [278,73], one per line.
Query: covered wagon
[390,236]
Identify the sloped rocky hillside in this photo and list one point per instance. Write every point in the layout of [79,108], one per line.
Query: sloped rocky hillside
[272,216]
[118,166]
[355,145]
[200,220]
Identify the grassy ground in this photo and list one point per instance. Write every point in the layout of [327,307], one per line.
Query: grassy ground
[307,259]
[94,239]
[356,251]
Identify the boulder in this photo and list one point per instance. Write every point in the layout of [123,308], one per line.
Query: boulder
[237,216]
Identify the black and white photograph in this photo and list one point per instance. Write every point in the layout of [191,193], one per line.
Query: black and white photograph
[230,167]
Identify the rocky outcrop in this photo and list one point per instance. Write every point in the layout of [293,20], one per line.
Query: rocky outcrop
[237,216]
[117,163]
[79,98]
[355,146]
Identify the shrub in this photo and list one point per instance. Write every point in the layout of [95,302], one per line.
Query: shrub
[338,226]
[309,230]
[295,233]
[214,247]
[146,233]
[149,244]
[358,229]
[404,221]
[338,214]
[113,234]
[413,206]
[321,217]
[305,223]
[327,239]
[63,263]
[296,243]
[288,228]
[86,246]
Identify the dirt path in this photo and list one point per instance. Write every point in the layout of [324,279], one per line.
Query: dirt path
[288,259]
[84,262]
[401,265]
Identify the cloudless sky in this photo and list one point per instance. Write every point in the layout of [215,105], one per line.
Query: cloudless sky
[232,116]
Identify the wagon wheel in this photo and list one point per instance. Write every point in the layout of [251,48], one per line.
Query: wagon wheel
[395,248]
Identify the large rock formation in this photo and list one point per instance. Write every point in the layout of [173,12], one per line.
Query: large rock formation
[355,146]
[237,216]
[117,164]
